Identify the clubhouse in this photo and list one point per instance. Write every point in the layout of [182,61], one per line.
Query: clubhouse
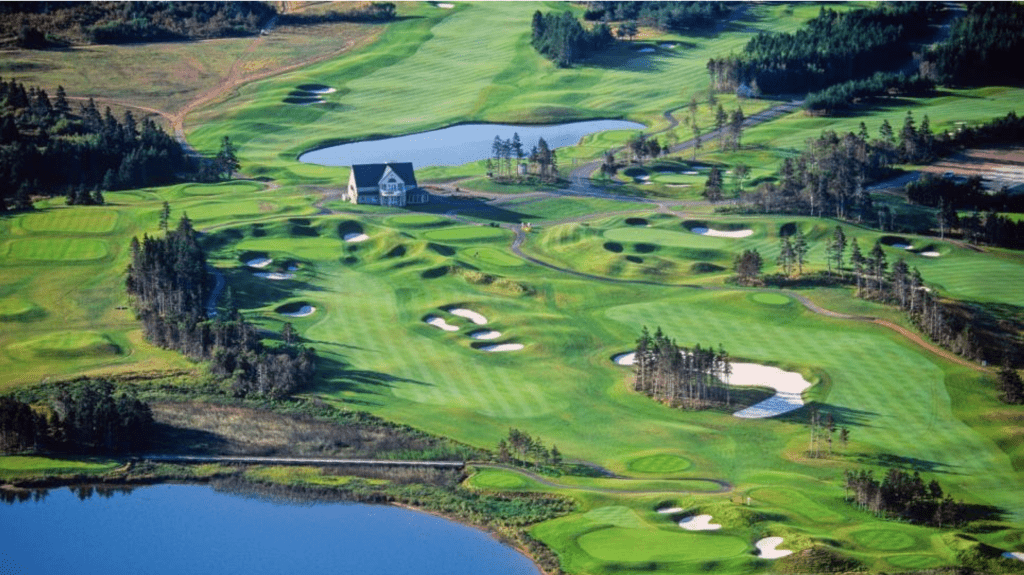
[391,184]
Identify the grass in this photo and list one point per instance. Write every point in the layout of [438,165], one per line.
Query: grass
[15,466]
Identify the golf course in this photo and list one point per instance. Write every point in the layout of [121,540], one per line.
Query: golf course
[519,303]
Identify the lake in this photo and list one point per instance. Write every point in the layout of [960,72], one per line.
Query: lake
[177,529]
[457,145]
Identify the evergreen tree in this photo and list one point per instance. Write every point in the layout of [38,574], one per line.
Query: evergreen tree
[227,158]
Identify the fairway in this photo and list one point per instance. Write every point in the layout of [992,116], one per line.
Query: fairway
[465,233]
[68,220]
[57,249]
[642,545]
[69,343]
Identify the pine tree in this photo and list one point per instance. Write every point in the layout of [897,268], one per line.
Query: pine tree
[227,158]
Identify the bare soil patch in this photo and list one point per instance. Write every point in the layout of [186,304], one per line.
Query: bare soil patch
[997,166]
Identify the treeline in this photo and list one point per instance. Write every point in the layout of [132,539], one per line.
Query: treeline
[842,96]
[668,16]
[41,24]
[563,40]
[367,12]
[983,48]
[952,194]
[168,288]
[904,496]
[832,48]
[542,159]
[83,416]
[692,378]
[521,447]
[94,151]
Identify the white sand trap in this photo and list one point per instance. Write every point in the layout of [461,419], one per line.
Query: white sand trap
[440,323]
[691,173]
[446,6]
[679,185]
[669,510]
[259,263]
[668,45]
[788,386]
[931,254]
[721,234]
[503,347]
[323,91]
[646,50]
[293,268]
[699,523]
[304,311]
[902,246]
[485,334]
[274,275]
[767,548]
[469,314]
[311,102]
[625,358]
[1018,555]
[354,237]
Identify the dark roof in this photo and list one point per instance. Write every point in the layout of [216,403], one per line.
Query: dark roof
[370,174]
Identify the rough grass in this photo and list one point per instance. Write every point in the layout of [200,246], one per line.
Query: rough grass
[15,466]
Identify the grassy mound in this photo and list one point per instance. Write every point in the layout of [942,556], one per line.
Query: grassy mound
[884,539]
[19,309]
[767,298]
[465,233]
[67,344]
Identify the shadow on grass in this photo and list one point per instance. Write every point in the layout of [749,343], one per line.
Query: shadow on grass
[843,416]
[474,207]
[334,376]
[901,462]
[251,291]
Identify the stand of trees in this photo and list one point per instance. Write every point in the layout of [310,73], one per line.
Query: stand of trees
[668,16]
[40,24]
[905,496]
[167,284]
[983,48]
[507,155]
[830,49]
[691,378]
[563,40]
[95,151]
[84,416]
[842,96]
[520,446]
[371,12]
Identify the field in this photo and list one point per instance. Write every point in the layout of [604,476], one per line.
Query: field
[596,271]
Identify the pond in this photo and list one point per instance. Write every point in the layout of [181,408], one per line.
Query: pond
[174,529]
[457,145]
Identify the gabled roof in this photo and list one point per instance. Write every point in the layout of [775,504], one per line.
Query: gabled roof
[367,175]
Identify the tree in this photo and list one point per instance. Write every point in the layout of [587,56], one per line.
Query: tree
[713,185]
[696,139]
[227,158]
[1010,385]
[165,215]
[740,171]
[736,127]
[838,247]
[748,266]
[800,249]
[786,255]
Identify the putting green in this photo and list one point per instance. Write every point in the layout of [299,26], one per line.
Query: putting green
[661,463]
[625,544]
[63,344]
[415,220]
[465,233]
[883,539]
[498,479]
[71,220]
[770,298]
[615,515]
[491,256]
[57,249]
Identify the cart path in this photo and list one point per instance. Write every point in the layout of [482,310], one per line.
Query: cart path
[723,486]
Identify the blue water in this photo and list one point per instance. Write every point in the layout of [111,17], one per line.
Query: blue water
[192,529]
[457,145]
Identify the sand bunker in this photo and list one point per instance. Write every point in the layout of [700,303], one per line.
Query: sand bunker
[901,246]
[503,347]
[469,314]
[931,254]
[322,91]
[669,510]
[485,334]
[446,5]
[646,50]
[788,386]
[699,523]
[293,268]
[1018,555]
[721,234]
[625,358]
[767,548]
[259,262]
[274,275]
[440,323]
[691,173]
[355,237]
[304,311]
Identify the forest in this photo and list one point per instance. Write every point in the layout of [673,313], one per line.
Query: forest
[167,283]
[692,378]
[37,25]
[96,151]
[832,48]
[668,16]
[82,416]
[843,96]
[542,159]
[983,48]
[563,40]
